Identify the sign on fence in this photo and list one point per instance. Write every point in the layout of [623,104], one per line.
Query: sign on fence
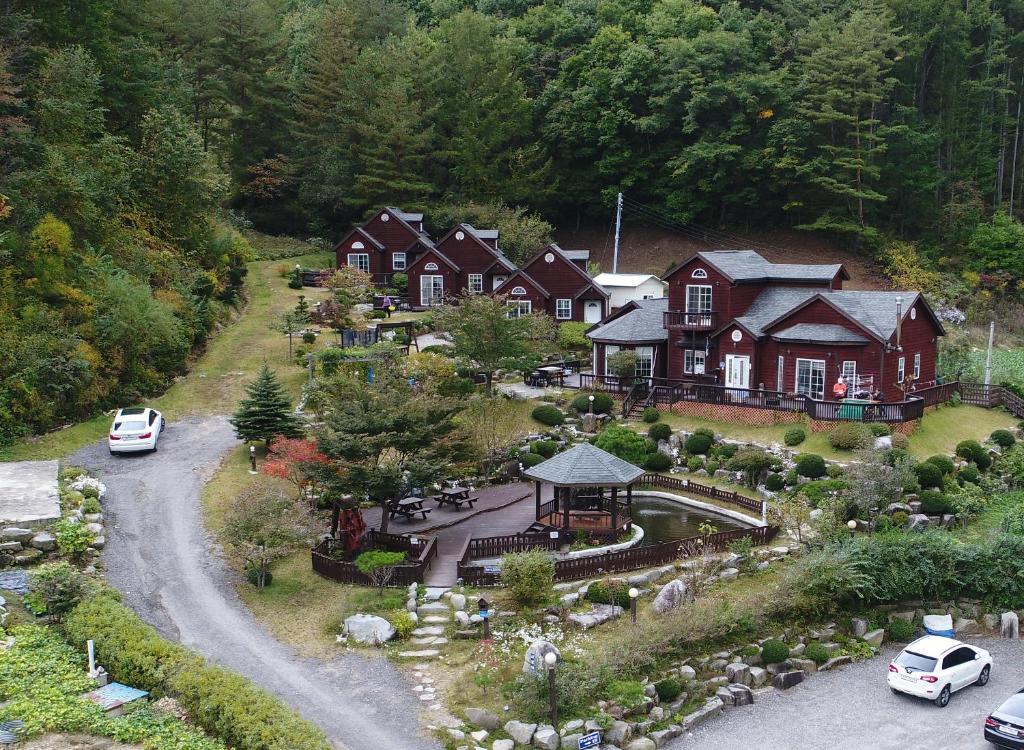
[494,569]
[590,740]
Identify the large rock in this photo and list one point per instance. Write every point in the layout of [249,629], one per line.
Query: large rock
[599,614]
[875,637]
[503,745]
[462,618]
[966,626]
[101,541]
[686,672]
[758,676]
[741,695]
[458,602]
[738,672]
[519,731]
[619,734]
[710,709]
[672,596]
[16,534]
[918,522]
[883,442]
[44,541]
[481,717]
[546,738]
[27,557]
[836,661]
[368,629]
[897,507]
[11,547]
[1009,625]
[533,662]
[786,680]
[642,743]
[858,626]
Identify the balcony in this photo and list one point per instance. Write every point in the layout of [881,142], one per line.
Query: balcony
[678,320]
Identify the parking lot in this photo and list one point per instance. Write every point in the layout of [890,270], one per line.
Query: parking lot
[853,709]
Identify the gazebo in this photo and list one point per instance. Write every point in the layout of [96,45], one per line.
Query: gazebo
[586,482]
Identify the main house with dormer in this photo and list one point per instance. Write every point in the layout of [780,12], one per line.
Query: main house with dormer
[734,318]
[385,244]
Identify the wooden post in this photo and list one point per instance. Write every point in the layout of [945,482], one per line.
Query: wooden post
[536,493]
[565,513]
[615,509]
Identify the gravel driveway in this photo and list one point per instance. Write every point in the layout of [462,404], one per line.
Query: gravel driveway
[852,709]
[159,555]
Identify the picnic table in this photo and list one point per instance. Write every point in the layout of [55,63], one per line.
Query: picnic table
[456,497]
[408,507]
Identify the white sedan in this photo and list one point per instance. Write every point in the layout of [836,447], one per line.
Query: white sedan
[135,429]
[934,667]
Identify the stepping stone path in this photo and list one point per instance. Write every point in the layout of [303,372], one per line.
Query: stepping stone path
[425,686]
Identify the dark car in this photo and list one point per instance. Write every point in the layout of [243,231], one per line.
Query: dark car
[1005,725]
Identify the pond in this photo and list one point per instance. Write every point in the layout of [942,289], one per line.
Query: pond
[663,520]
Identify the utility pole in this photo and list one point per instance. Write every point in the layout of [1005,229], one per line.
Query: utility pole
[618,231]
[988,356]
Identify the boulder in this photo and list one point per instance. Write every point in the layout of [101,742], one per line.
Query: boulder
[966,626]
[95,528]
[461,618]
[836,661]
[533,662]
[710,709]
[858,626]
[10,547]
[656,714]
[546,738]
[520,732]
[662,737]
[728,573]
[642,743]
[786,680]
[368,629]
[741,695]
[672,596]
[918,522]
[575,725]
[571,741]
[990,622]
[27,557]
[480,736]
[875,637]
[569,600]
[725,695]
[599,614]
[456,734]
[503,745]
[16,534]
[805,665]
[458,602]
[717,682]
[101,541]
[738,672]
[1009,625]
[686,672]
[896,507]
[481,717]
[758,676]
[619,734]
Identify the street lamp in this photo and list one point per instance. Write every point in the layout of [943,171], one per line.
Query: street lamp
[549,661]
[633,594]
[485,615]
[852,526]
[252,459]
[590,398]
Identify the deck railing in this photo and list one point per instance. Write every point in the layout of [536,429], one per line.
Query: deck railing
[421,557]
[705,490]
[690,321]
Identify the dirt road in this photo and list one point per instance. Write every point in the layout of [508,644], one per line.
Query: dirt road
[159,555]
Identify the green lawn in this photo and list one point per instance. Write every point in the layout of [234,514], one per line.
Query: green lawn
[217,379]
[989,522]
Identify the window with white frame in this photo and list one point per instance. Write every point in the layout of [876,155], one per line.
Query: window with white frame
[917,366]
[398,261]
[849,371]
[810,378]
[644,361]
[780,374]
[518,290]
[609,350]
[563,309]
[694,361]
[901,369]
[699,273]
[517,308]
[698,298]
[476,283]
[360,261]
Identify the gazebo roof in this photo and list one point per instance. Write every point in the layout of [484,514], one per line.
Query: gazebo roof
[585,465]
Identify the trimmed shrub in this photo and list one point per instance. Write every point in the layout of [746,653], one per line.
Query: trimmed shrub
[529,460]
[774,651]
[790,477]
[308,337]
[900,518]
[900,630]
[1003,438]
[545,448]
[659,431]
[983,462]
[693,463]
[848,437]
[795,436]
[658,462]
[929,476]
[651,414]
[774,482]
[816,653]
[607,591]
[603,403]
[971,450]
[91,505]
[549,415]
[879,429]
[652,445]
[810,465]
[403,623]
[900,441]
[705,431]
[883,523]
[934,503]
[970,474]
[943,463]
[725,450]
[668,689]
[528,576]
[698,443]
[712,467]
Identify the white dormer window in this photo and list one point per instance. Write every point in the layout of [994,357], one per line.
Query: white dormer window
[430,267]
[699,273]
[518,290]
[358,245]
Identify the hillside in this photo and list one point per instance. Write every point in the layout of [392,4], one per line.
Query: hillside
[653,250]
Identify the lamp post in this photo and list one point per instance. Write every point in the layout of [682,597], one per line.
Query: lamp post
[633,594]
[590,398]
[252,459]
[549,661]
[852,526]
[485,615]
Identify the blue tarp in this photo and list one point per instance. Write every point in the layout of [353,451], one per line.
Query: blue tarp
[115,694]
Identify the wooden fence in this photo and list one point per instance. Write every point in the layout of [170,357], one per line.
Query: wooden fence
[705,490]
[422,556]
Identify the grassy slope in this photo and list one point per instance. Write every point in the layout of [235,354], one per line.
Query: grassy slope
[217,379]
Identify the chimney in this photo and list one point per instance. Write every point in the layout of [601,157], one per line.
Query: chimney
[899,324]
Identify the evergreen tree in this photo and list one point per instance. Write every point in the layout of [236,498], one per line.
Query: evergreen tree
[266,413]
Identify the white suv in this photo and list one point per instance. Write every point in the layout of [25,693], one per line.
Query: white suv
[136,429]
[934,667]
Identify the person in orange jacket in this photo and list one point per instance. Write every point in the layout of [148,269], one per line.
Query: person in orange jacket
[839,389]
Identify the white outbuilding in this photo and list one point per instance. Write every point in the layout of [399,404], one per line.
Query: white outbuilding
[629,287]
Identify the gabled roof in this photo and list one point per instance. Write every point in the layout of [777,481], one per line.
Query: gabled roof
[404,218]
[747,266]
[364,234]
[471,231]
[524,276]
[483,234]
[770,305]
[439,255]
[584,276]
[631,280]
[585,465]
[640,321]
[873,311]
[575,255]
[819,333]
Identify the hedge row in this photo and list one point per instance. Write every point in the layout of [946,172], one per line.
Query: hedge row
[224,704]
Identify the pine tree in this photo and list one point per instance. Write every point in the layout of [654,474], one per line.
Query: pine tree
[266,413]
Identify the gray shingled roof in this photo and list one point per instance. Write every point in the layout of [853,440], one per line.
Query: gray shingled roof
[577,254]
[825,333]
[483,234]
[876,311]
[405,215]
[645,323]
[585,465]
[746,265]
[771,304]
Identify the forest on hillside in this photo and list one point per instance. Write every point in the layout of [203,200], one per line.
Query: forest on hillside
[138,136]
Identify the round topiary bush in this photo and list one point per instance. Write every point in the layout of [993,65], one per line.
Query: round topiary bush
[943,463]
[795,436]
[810,465]
[531,459]
[774,482]
[970,449]
[658,462]
[308,337]
[816,653]
[693,463]
[929,476]
[545,448]
[608,592]
[899,519]
[549,415]
[879,429]
[726,450]
[651,414]
[848,437]
[774,651]
[699,443]
[900,441]
[668,689]
[969,474]
[900,630]
[705,431]
[659,431]
[934,503]
[603,403]
[1003,438]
